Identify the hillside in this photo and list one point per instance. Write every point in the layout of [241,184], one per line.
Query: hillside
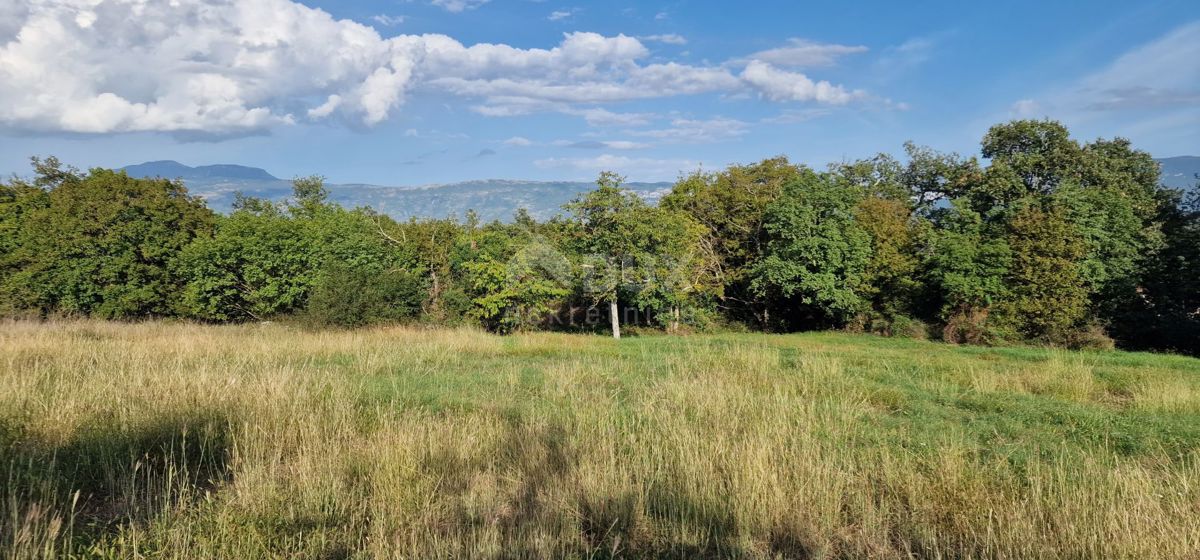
[492,199]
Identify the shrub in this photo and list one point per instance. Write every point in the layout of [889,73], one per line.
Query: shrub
[1091,338]
[349,297]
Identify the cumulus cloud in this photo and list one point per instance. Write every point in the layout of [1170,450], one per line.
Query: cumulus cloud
[229,68]
[189,66]
[781,85]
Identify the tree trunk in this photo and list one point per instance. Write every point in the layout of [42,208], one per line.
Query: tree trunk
[616,320]
[675,319]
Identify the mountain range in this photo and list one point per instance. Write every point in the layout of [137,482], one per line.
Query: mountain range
[1180,172]
[492,199]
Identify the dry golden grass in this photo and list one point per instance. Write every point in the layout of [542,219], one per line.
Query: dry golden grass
[261,441]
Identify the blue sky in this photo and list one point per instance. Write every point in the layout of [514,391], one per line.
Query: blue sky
[425,91]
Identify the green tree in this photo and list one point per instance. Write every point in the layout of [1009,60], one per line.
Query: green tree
[265,260]
[817,253]
[515,278]
[616,237]
[1049,295]
[101,243]
[731,208]
[20,261]
[1039,155]
[256,265]
[891,281]
[1164,312]
[967,265]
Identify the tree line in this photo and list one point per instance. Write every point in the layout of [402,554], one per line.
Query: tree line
[1045,240]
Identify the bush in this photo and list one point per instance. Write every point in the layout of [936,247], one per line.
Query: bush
[904,326]
[349,297]
[968,327]
[1091,338]
[900,326]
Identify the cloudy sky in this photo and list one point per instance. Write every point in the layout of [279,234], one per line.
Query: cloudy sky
[422,91]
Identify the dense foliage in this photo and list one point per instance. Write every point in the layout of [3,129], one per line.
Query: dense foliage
[1046,239]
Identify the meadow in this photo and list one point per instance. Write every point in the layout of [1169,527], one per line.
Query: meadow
[175,440]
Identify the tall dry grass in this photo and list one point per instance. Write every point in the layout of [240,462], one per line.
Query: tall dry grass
[183,441]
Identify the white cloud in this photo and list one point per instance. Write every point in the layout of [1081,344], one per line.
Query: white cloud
[1150,93]
[595,116]
[518,141]
[801,53]
[229,68]
[457,6]
[325,108]
[668,38]
[1160,74]
[782,85]
[696,131]
[557,15]
[189,66]
[390,21]
[603,117]
[624,145]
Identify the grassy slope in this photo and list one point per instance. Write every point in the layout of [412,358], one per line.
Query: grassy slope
[258,441]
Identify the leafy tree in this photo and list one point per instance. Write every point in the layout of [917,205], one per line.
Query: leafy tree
[617,236]
[256,265]
[891,280]
[1049,295]
[967,266]
[265,260]
[1039,155]
[101,243]
[927,177]
[731,207]
[817,253]
[20,261]
[521,291]
[1164,313]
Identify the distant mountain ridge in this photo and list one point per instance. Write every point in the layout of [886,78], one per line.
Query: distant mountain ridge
[493,199]
[1180,172]
[174,170]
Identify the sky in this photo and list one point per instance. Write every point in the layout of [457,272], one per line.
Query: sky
[405,92]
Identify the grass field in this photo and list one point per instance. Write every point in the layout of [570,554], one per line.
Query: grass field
[182,441]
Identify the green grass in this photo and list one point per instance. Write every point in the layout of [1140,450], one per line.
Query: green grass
[184,441]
